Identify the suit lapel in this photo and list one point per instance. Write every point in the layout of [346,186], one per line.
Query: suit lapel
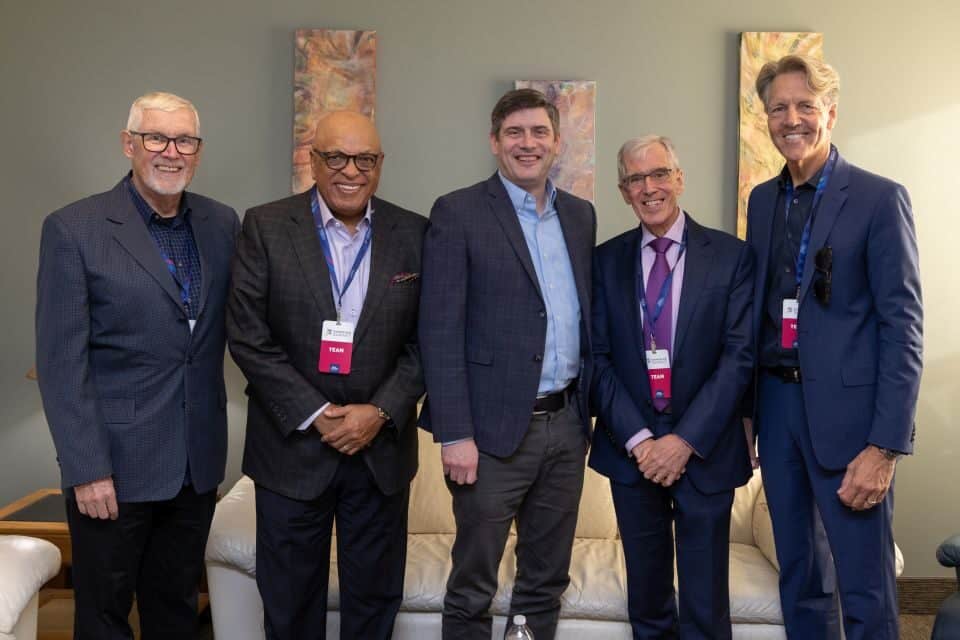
[203,237]
[306,245]
[383,264]
[762,228]
[699,256]
[506,215]
[132,234]
[628,291]
[573,234]
[824,218]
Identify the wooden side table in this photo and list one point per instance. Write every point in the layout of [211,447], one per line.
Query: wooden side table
[42,514]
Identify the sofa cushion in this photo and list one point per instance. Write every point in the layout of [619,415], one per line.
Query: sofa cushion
[26,564]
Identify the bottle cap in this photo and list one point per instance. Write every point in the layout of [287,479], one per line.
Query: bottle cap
[519,619]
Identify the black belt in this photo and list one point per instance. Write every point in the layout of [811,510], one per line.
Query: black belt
[552,401]
[787,374]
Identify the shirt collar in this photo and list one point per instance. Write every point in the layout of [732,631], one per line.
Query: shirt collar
[328,218]
[146,211]
[811,183]
[675,232]
[518,196]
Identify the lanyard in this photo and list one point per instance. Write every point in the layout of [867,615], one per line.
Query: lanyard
[817,196]
[328,254]
[183,282]
[652,318]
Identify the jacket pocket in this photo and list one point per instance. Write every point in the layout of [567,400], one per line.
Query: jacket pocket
[479,355]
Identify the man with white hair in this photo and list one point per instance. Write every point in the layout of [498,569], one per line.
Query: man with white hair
[130,342]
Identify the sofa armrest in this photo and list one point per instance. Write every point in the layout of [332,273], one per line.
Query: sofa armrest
[233,532]
[26,564]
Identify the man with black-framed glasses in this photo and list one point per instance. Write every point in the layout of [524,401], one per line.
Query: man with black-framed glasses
[131,293]
[322,320]
[838,327]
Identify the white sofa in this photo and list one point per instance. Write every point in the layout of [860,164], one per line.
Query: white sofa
[26,564]
[594,606]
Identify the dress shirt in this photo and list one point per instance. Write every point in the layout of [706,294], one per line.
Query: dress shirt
[781,277]
[344,247]
[548,251]
[174,240]
[676,262]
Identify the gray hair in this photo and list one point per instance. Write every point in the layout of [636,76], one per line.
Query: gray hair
[634,146]
[161,101]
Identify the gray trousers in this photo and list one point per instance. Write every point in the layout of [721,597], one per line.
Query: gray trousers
[540,486]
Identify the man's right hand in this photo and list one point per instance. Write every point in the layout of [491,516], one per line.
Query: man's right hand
[460,461]
[97,499]
[325,425]
[751,442]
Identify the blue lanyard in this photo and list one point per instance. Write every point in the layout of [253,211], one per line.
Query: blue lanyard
[652,318]
[328,254]
[817,196]
[182,282]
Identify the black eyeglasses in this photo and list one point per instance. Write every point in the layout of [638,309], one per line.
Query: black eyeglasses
[822,286]
[338,160]
[158,143]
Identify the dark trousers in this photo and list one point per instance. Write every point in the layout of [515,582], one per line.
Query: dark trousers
[293,557]
[540,486]
[809,522]
[646,515]
[153,549]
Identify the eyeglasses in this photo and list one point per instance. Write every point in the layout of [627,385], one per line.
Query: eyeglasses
[822,286]
[158,143]
[338,160]
[638,180]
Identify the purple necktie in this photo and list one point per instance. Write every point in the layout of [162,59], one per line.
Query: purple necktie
[660,332]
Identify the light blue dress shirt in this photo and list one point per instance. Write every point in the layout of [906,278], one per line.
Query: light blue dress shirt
[548,250]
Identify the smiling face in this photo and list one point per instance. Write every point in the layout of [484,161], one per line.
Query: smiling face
[526,147]
[654,201]
[346,191]
[158,176]
[800,124]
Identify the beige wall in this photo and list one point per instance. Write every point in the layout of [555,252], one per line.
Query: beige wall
[71,69]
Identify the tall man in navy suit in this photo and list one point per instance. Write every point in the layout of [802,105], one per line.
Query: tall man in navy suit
[672,357]
[838,328]
[130,339]
[504,334]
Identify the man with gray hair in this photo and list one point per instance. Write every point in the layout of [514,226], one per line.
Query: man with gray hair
[672,358]
[838,331]
[130,328]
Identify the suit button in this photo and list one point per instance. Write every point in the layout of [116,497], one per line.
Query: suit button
[538,358]
[543,314]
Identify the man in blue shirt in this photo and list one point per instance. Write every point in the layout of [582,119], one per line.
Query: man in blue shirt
[504,337]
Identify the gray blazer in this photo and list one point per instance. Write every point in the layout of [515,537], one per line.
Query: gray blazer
[128,391]
[280,297]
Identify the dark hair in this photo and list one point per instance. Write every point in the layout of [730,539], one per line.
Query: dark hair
[520,99]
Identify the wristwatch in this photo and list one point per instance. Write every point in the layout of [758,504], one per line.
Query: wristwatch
[383,415]
[889,454]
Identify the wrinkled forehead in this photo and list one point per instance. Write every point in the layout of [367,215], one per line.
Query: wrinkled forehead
[170,123]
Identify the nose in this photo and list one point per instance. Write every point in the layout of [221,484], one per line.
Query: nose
[792,115]
[350,169]
[171,150]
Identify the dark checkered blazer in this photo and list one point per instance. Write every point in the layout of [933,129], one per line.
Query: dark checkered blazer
[482,321]
[280,297]
[128,391]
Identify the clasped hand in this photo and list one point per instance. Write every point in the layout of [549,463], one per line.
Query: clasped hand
[662,460]
[349,428]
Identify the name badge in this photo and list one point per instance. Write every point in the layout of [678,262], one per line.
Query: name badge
[336,347]
[658,369]
[788,326]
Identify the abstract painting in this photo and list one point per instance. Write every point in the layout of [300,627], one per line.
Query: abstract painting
[576,100]
[333,70]
[759,159]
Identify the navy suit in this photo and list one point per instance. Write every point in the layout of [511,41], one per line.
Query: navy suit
[860,360]
[712,361]
[128,390]
[483,325]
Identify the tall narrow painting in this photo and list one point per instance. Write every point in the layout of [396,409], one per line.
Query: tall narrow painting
[333,70]
[576,100]
[759,159]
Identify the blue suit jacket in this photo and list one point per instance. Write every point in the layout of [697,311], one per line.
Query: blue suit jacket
[712,360]
[860,356]
[128,391]
[483,323]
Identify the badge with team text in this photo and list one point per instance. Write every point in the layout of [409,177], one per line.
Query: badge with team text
[788,326]
[336,347]
[658,369]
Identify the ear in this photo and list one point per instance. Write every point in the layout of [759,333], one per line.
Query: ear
[832,116]
[126,143]
[494,144]
[680,181]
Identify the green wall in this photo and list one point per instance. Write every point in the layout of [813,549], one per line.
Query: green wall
[71,69]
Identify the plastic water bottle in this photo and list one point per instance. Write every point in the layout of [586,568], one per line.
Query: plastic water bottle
[519,629]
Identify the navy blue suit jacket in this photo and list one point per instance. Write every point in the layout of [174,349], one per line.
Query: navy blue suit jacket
[712,360]
[861,355]
[483,320]
[128,391]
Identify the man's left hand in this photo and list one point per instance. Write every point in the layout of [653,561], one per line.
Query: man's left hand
[665,460]
[361,424]
[867,479]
